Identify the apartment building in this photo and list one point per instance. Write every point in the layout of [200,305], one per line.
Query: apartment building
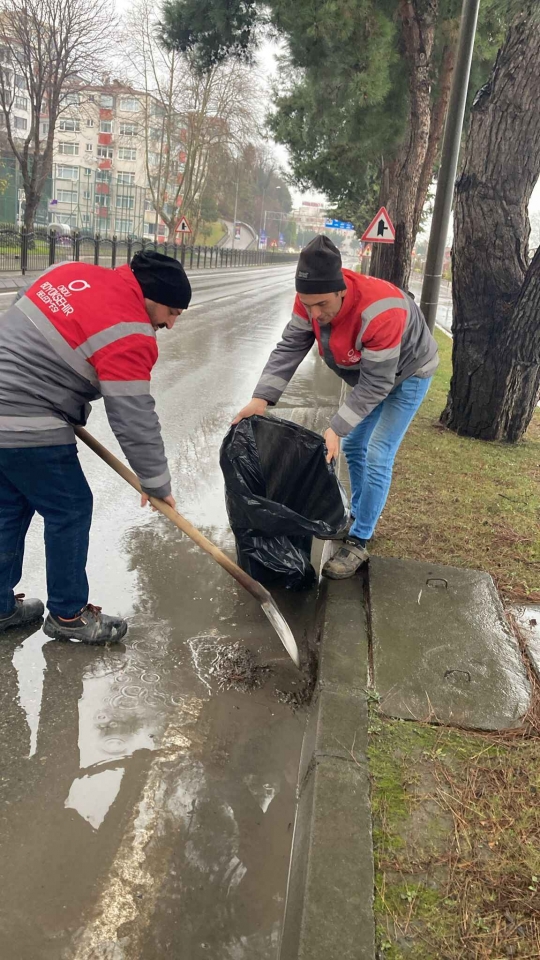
[99,174]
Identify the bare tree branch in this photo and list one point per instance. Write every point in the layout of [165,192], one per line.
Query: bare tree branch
[52,48]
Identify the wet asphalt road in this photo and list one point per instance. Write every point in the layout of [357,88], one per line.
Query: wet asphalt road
[145,812]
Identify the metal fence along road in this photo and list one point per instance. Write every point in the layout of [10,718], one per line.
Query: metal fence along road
[32,252]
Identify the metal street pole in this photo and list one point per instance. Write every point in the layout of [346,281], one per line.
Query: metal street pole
[449,161]
[235,208]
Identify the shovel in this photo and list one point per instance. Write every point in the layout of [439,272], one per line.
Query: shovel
[256,589]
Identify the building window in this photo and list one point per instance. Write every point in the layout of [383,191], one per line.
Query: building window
[125,177]
[105,126]
[73,99]
[70,148]
[44,128]
[125,203]
[67,173]
[129,129]
[87,171]
[124,226]
[20,123]
[148,205]
[89,147]
[102,200]
[127,153]
[129,104]
[89,123]
[86,219]
[87,194]
[106,102]
[21,103]
[105,153]
[70,126]
[103,176]
[66,196]
[20,82]
[7,75]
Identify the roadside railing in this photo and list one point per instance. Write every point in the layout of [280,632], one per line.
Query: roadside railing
[24,252]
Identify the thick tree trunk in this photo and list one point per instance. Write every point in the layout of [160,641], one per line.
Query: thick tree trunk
[418,19]
[495,378]
[30,208]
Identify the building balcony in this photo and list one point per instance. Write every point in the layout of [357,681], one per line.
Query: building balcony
[105,164]
[105,139]
[105,114]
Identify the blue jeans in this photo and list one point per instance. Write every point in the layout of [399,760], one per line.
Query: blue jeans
[370,450]
[49,481]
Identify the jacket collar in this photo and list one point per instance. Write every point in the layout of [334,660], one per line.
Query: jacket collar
[129,277]
[350,299]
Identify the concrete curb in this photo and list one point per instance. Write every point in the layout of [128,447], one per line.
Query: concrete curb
[329,907]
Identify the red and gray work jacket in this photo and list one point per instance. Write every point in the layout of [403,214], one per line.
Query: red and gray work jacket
[378,339]
[77,334]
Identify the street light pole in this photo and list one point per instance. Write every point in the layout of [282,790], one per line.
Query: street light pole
[235,206]
[449,161]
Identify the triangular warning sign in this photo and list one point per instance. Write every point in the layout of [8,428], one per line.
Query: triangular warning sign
[381,229]
[183,226]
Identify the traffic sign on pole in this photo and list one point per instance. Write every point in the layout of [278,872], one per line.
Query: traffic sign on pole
[381,229]
[183,226]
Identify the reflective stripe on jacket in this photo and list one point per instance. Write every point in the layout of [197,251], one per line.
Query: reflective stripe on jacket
[378,339]
[78,333]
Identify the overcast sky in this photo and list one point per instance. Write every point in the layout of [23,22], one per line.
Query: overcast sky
[268,68]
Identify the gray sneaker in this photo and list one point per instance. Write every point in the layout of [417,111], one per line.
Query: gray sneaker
[91,626]
[346,561]
[25,611]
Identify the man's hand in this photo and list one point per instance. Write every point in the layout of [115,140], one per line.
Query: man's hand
[170,500]
[255,406]
[332,445]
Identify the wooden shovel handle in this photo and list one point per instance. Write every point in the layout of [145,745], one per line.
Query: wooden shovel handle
[252,586]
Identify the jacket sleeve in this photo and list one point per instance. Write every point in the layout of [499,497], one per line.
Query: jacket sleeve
[124,368]
[296,342]
[380,347]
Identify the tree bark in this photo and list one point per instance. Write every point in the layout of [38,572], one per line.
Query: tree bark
[418,18]
[495,352]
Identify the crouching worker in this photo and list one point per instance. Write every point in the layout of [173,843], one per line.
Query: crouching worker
[373,336]
[77,334]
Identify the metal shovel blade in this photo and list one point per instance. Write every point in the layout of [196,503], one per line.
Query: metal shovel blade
[282,629]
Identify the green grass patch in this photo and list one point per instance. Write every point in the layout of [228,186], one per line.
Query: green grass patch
[210,234]
[465,502]
[456,824]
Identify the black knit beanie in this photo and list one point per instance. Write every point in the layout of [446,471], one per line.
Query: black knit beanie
[319,268]
[162,279]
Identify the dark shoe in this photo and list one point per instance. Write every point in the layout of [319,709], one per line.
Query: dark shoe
[346,561]
[91,626]
[25,611]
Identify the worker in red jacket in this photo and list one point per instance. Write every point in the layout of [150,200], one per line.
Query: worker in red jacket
[375,338]
[80,332]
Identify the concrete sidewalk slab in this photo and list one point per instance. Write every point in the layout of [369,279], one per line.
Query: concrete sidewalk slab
[442,649]
[329,910]
[528,620]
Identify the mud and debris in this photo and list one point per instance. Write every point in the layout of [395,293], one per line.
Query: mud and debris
[234,667]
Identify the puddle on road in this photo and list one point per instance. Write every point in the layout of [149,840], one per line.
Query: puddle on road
[150,788]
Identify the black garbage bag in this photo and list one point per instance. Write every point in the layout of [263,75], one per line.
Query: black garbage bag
[280,493]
